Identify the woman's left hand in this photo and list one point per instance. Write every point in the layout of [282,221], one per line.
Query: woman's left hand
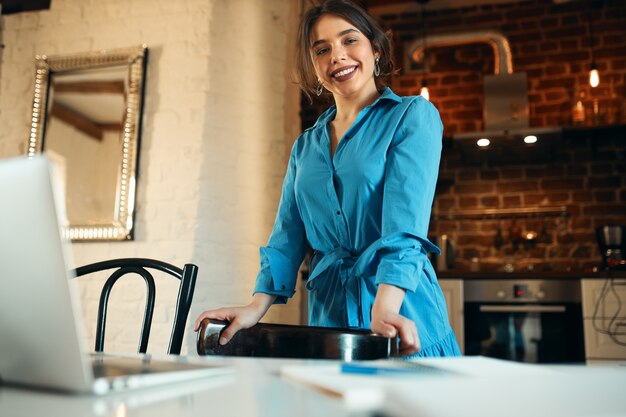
[387,322]
[390,324]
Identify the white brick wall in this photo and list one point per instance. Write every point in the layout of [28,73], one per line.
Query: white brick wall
[220,115]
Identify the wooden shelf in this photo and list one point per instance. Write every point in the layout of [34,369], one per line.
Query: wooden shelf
[508,213]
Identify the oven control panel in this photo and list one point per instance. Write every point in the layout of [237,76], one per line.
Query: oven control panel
[522,291]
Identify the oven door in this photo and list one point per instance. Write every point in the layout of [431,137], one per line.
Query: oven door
[533,332]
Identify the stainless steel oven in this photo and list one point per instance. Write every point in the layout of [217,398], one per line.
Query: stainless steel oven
[537,321]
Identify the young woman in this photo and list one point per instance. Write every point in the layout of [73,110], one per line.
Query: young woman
[358,190]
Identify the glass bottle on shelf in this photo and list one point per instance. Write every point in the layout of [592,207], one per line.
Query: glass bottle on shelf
[578,110]
[622,107]
[597,117]
[612,115]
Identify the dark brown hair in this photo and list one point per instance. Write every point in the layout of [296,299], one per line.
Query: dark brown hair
[348,10]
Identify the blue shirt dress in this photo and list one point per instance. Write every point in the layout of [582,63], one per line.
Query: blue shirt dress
[365,213]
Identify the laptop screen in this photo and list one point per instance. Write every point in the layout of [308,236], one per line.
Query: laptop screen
[41,332]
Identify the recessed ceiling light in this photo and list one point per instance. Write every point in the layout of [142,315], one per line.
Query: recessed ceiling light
[483,142]
[530,139]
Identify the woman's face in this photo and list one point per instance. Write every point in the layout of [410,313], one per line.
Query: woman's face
[343,57]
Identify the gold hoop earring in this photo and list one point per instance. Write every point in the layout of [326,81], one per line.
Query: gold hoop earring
[376,68]
[320,88]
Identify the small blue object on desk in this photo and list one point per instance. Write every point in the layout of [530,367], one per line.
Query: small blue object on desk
[391,368]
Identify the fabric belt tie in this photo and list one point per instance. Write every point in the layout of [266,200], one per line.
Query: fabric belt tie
[353,268]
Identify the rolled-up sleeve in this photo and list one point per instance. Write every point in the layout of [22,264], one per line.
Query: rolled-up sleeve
[285,249]
[410,178]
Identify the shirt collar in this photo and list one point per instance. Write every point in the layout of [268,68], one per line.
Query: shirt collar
[386,94]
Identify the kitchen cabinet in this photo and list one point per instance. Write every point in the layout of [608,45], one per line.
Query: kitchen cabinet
[453,292]
[604,314]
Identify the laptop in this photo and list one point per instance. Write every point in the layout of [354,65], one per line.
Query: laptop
[41,329]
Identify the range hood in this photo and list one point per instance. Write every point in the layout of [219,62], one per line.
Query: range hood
[507,138]
[505,113]
[505,110]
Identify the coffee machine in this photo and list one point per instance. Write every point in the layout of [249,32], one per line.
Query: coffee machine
[612,245]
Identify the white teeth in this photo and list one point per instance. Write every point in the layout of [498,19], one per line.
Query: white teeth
[344,72]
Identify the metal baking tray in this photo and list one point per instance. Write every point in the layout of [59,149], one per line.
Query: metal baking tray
[289,341]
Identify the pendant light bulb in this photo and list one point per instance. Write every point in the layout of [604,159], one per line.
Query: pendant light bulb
[594,76]
[424,91]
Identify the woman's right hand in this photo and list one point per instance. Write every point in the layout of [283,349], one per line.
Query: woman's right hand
[238,317]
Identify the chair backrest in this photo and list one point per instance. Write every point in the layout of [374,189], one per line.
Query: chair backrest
[124,266]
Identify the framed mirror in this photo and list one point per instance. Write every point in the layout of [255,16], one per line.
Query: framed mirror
[86,117]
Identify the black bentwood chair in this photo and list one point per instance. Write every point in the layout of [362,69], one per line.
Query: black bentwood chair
[187,277]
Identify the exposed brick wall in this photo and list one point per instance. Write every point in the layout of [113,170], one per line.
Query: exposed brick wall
[549,42]
[587,173]
[583,170]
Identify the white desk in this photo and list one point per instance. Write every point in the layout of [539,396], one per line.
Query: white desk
[255,389]
[483,387]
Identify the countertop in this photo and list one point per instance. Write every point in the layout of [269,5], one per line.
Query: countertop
[574,275]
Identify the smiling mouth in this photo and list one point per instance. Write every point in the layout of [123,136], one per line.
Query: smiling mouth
[344,72]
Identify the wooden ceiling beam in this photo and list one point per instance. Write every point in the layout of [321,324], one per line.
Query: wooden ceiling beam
[90,87]
[77,120]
